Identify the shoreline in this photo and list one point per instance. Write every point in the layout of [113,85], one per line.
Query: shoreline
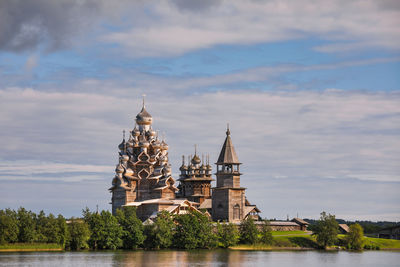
[249,248]
[30,249]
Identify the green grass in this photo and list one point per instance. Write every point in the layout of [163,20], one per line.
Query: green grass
[383,243]
[278,233]
[31,246]
[304,240]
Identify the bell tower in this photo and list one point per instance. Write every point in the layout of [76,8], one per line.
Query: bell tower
[228,198]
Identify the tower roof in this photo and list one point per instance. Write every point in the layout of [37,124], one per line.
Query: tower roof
[228,154]
[144,117]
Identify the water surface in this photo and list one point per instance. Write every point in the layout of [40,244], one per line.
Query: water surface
[201,258]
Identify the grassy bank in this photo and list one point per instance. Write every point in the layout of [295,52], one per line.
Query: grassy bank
[298,240]
[30,247]
[383,243]
[284,240]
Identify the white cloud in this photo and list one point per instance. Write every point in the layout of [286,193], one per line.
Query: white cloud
[327,134]
[331,135]
[165,28]
[173,31]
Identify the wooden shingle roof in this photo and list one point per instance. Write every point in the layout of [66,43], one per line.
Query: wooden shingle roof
[228,154]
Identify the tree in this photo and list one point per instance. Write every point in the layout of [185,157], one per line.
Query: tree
[96,227]
[355,237]
[326,230]
[8,226]
[110,237]
[132,227]
[248,231]
[194,230]
[228,234]
[62,228]
[78,235]
[26,225]
[105,232]
[160,234]
[42,227]
[266,234]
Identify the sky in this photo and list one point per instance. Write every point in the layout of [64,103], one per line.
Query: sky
[310,89]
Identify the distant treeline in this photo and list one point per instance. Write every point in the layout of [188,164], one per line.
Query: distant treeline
[368,226]
[124,230]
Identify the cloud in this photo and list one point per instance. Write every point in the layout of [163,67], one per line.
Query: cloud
[349,138]
[162,28]
[177,31]
[27,25]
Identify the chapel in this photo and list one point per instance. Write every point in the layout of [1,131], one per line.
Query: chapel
[144,179]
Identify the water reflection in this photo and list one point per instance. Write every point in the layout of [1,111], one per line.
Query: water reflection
[220,258]
[177,258]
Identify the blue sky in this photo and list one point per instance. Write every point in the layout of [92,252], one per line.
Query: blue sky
[312,94]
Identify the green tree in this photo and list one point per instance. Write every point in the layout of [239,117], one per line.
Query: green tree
[8,226]
[228,234]
[266,234]
[194,230]
[55,229]
[132,227]
[326,230]
[41,227]
[96,227]
[355,237]
[160,234]
[26,225]
[248,231]
[111,234]
[62,231]
[78,235]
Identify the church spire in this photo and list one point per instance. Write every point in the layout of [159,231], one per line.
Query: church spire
[228,154]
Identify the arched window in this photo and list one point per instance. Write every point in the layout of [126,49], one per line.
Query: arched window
[236,212]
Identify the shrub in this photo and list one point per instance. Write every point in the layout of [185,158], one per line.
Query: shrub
[326,230]
[194,230]
[355,237]
[266,234]
[160,234]
[132,227]
[78,235]
[228,235]
[248,231]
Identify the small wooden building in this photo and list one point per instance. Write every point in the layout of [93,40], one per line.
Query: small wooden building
[390,232]
[343,228]
[303,224]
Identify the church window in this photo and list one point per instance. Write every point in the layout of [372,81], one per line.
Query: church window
[236,212]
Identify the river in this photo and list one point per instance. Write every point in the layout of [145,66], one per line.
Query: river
[202,258]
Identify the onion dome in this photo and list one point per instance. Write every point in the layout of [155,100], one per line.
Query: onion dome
[144,143]
[163,158]
[124,158]
[156,144]
[130,141]
[183,166]
[152,132]
[196,160]
[122,145]
[129,172]
[144,118]
[119,169]
[136,132]
[164,145]
[190,167]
